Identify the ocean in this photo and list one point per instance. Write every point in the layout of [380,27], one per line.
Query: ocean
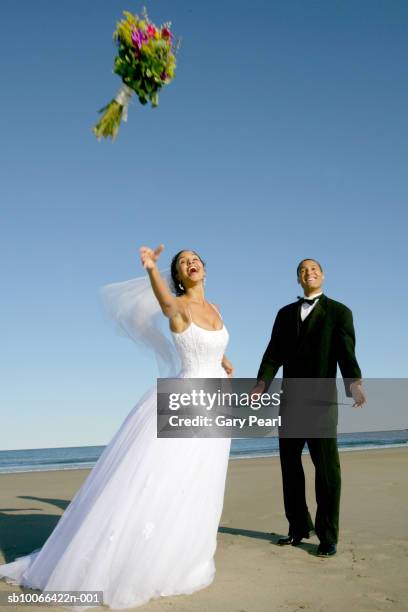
[80,457]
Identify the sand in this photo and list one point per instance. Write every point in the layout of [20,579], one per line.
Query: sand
[254,574]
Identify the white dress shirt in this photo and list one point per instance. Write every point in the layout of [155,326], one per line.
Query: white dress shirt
[306,308]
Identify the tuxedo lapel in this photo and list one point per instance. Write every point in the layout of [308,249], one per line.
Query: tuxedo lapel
[298,320]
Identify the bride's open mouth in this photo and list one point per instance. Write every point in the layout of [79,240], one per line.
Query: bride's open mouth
[192,270]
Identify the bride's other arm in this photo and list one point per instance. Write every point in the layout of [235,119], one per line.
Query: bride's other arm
[168,302]
[227,365]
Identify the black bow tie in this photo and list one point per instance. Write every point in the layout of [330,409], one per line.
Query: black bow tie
[303,300]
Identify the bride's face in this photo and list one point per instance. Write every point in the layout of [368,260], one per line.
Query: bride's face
[190,268]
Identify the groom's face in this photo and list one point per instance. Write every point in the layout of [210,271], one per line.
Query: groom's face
[310,276]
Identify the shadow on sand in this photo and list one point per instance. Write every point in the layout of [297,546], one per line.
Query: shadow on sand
[21,533]
[270,537]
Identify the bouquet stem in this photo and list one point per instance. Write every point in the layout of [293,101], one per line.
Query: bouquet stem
[113,113]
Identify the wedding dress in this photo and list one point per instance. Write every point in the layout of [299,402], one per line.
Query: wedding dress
[144,522]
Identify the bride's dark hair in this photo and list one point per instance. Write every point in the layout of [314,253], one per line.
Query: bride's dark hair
[173,270]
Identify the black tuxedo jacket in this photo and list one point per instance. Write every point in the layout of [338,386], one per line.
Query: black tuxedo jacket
[313,348]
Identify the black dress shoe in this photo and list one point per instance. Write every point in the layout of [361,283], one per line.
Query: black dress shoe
[293,540]
[326,550]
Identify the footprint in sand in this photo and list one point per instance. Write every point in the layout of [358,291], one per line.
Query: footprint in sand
[381,597]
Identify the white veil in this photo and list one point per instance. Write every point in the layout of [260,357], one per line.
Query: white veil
[137,315]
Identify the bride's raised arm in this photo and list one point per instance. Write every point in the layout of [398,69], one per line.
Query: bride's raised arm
[169,304]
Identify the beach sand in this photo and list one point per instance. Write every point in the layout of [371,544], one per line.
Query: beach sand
[369,572]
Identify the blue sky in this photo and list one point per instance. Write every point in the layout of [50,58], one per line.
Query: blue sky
[283,136]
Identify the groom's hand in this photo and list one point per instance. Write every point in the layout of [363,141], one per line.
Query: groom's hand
[258,389]
[358,394]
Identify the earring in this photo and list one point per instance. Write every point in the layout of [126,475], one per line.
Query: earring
[181,287]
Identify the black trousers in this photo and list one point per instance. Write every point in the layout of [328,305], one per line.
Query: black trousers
[325,457]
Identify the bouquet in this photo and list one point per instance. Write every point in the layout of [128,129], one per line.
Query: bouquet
[145,62]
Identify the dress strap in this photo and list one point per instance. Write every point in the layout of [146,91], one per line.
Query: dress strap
[216,310]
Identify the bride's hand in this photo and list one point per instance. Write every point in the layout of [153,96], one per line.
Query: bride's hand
[149,257]
[228,367]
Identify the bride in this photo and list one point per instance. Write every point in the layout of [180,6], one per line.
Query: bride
[144,523]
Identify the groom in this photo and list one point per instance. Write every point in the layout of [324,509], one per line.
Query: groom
[309,339]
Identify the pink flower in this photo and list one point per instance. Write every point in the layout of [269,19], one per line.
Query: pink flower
[151,30]
[138,38]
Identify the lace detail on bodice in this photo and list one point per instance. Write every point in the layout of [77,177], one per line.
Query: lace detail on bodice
[201,351]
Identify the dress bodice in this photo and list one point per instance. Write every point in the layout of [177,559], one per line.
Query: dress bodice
[201,351]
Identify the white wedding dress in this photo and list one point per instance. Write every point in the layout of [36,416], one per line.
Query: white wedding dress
[144,522]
